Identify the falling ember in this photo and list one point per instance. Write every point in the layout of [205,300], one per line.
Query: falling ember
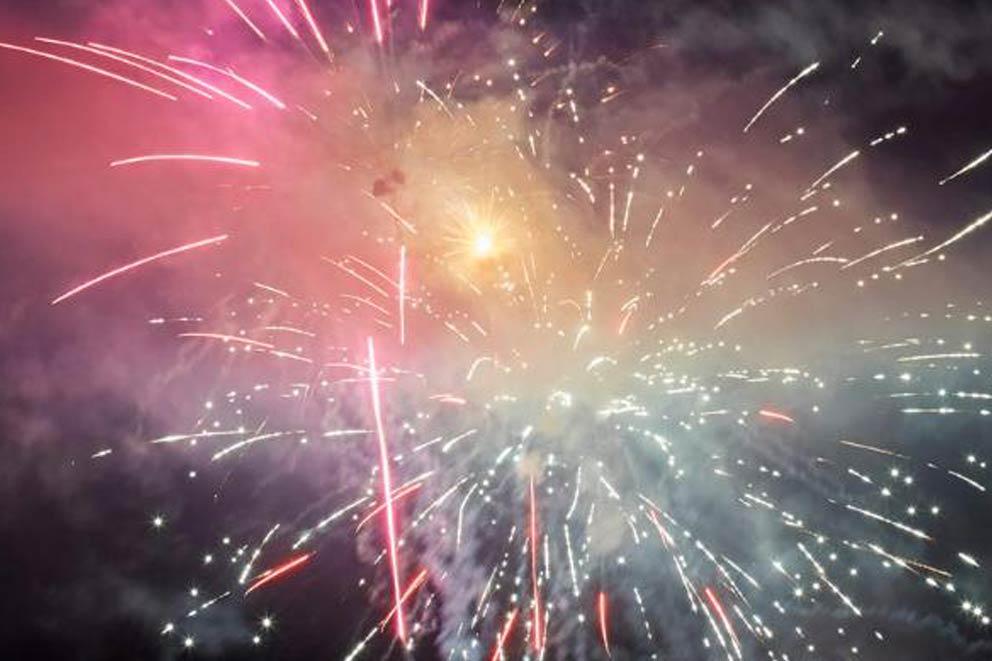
[387,493]
[604,632]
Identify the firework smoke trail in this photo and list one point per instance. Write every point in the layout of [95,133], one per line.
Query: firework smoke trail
[577,405]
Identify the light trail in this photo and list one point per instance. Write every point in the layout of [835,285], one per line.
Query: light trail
[604,631]
[537,633]
[135,264]
[387,493]
[92,69]
[272,574]
[205,158]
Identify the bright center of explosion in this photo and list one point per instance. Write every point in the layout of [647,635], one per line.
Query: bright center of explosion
[482,246]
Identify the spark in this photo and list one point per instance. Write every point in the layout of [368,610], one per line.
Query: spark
[90,68]
[283,19]
[775,415]
[376,20]
[135,264]
[402,295]
[777,95]
[244,17]
[314,28]
[387,493]
[117,58]
[538,636]
[182,74]
[270,575]
[233,76]
[967,168]
[504,635]
[424,7]
[603,625]
[227,160]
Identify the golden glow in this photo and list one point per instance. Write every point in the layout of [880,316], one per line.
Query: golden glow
[483,244]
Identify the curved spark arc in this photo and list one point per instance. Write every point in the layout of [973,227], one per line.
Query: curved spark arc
[137,263]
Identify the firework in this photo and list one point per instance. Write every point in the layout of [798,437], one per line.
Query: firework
[597,410]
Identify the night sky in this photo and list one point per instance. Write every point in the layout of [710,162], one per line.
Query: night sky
[86,574]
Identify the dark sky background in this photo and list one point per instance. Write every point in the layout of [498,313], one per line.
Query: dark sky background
[84,575]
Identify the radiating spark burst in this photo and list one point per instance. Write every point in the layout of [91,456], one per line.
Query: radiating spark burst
[576,396]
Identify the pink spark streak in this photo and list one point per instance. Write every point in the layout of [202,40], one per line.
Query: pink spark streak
[216,90]
[387,493]
[244,17]
[141,262]
[314,28]
[282,19]
[422,14]
[775,415]
[90,68]
[229,160]
[402,289]
[376,21]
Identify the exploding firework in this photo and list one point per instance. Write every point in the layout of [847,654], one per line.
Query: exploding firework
[576,389]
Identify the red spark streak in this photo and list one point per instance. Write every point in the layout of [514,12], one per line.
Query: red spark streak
[538,636]
[387,494]
[417,581]
[504,634]
[775,415]
[399,493]
[603,629]
[272,574]
[136,264]
[228,160]
[718,607]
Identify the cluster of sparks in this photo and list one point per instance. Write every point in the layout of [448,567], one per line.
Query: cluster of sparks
[562,446]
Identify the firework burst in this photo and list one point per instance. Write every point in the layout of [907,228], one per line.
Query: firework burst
[576,391]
